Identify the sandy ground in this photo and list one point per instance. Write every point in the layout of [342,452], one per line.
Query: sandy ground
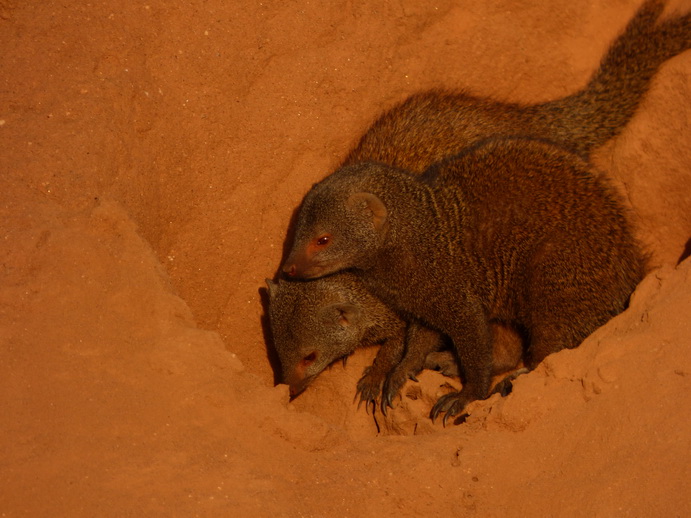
[152,155]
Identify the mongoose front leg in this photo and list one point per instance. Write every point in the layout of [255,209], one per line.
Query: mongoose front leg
[420,341]
[472,339]
[389,355]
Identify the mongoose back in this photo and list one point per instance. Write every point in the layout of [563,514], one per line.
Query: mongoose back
[514,230]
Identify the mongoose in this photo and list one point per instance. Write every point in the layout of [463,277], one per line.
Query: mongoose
[314,324]
[431,125]
[513,230]
[317,323]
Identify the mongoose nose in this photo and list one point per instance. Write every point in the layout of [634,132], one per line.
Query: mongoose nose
[290,270]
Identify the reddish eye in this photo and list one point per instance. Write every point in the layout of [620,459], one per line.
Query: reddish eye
[318,244]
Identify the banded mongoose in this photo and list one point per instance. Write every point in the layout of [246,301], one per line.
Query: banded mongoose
[431,125]
[319,322]
[512,230]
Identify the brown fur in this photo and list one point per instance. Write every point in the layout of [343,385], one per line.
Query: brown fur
[432,125]
[512,230]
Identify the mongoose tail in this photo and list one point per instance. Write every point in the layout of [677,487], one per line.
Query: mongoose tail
[432,125]
[600,111]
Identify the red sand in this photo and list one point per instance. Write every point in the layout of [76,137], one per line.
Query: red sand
[152,157]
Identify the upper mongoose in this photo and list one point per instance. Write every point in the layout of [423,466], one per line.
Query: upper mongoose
[434,124]
[514,230]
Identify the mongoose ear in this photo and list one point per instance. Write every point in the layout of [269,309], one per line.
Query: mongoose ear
[343,314]
[371,204]
[272,286]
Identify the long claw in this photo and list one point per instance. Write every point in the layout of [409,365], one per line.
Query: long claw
[386,403]
[450,404]
[363,399]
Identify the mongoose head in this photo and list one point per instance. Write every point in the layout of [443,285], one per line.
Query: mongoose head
[313,324]
[340,225]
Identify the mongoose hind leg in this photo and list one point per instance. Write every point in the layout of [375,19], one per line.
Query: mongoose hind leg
[443,362]
[563,327]
[574,290]
[505,386]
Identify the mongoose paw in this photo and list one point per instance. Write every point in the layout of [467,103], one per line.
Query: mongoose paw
[505,386]
[450,404]
[369,386]
[392,386]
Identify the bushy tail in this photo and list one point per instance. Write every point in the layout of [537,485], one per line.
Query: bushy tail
[592,116]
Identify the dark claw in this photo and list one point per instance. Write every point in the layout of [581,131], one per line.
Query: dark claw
[451,404]
[369,389]
[386,402]
[359,403]
[366,401]
[449,413]
[345,361]
[393,385]
[364,398]
[505,386]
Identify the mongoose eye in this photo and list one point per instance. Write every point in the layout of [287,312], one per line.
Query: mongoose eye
[309,359]
[323,240]
[318,244]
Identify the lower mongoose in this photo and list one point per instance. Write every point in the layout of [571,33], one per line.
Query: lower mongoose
[316,323]
[431,125]
[512,230]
